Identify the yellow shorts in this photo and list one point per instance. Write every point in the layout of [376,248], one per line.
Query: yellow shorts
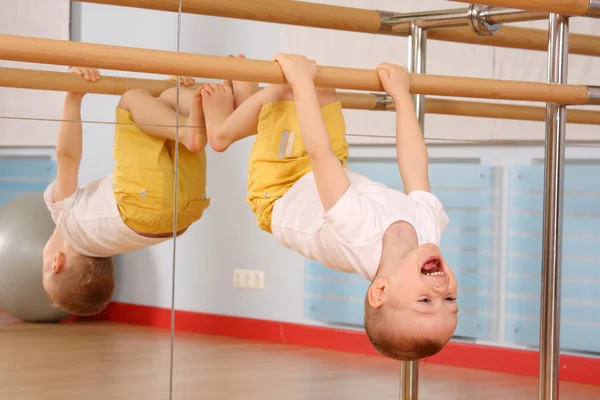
[279,159]
[145,176]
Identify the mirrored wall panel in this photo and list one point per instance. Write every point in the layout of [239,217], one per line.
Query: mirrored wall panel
[87,189]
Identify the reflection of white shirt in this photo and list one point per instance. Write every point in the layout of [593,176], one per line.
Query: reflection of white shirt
[91,223]
[349,237]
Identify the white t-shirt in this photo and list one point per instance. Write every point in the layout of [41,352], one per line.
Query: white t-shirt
[349,236]
[91,223]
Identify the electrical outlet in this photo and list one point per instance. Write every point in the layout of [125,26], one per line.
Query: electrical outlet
[248,279]
[258,280]
[237,278]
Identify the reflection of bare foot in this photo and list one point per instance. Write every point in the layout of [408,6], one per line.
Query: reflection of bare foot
[243,90]
[193,136]
[217,101]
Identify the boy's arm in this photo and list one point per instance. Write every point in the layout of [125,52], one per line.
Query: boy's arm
[330,177]
[69,148]
[413,161]
[410,143]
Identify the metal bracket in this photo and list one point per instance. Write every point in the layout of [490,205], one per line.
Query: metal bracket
[395,23]
[478,16]
[388,21]
[382,101]
[593,95]
[484,20]
[593,9]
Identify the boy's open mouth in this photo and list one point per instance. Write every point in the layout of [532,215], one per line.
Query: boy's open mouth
[432,267]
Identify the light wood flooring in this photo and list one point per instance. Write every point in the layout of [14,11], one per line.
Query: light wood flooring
[96,360]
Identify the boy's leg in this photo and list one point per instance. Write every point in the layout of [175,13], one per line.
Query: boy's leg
[157,118]
[226,124]
[186,99]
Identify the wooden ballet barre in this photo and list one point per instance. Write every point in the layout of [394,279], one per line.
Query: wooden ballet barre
[503,111]
[112,85]
[514,37]
[61,52]
[68,82]
[290,12]
[316,15]
[575,8]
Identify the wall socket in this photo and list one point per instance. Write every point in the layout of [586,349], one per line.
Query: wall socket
[248,279]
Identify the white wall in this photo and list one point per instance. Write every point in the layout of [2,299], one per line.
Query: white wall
[40,18]
[227,236]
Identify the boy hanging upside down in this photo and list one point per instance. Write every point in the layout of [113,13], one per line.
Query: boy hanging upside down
[301,190]
[133,207]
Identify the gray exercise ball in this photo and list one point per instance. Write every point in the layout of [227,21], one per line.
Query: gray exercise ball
[25,227]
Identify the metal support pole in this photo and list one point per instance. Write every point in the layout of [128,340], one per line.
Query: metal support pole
[409,380]
[485,20]
[558,53]
[593,9]
[417,50]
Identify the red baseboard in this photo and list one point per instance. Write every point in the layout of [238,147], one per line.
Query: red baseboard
[498,359]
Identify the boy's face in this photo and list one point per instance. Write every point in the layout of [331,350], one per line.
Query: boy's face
[423,291]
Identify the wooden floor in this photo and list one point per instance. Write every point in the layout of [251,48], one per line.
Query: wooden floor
[94,360]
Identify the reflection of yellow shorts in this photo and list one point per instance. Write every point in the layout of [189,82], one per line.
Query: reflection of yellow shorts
[145,176]
[279,159]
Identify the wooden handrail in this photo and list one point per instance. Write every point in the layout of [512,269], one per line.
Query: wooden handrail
[289,12]
[515,37]
[112,85]
[316,15]
[576,8]
[480,109]
[61,52]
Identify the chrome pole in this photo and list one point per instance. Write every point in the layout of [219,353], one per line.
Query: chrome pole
[417,50]
[401,23]
[558,54]
[498,15]
[409,380]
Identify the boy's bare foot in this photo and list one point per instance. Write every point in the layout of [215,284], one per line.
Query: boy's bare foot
[193,136]
[217,101]
[243,90]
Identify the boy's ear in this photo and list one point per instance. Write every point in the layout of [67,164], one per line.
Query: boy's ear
[377,292]
[58,264]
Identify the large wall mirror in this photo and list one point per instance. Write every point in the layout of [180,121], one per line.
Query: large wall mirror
[86,210]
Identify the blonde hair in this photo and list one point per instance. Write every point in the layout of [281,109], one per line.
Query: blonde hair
[86,286]
[387,341]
